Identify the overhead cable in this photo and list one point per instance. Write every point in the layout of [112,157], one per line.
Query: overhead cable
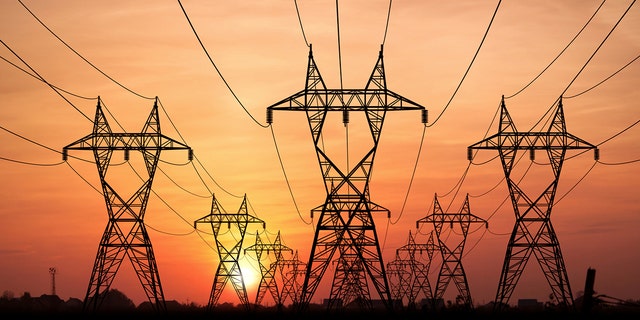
[218,70]
[559,54]
[468,68]
[45,81]
[81,56]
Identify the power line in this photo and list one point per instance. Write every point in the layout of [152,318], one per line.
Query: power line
[286,178]
[216,68]
[386,27]
[339,51]
[300,20]
[81,56]
[618,163]
[32,163]
[109,77]
[45,81]
[585,65]
[559,54]
[619,133]
[603,81]
[468,68]
[598,48]
[413,173]
[36,77]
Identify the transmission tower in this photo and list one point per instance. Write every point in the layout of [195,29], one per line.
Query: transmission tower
[451,268]
[229,267]
[345,224]
[419,270]
[400,278]
[52,272]
[125,234]
[291,270]
[533,232]
[268,280]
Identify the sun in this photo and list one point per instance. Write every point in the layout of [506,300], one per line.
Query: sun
[250,274]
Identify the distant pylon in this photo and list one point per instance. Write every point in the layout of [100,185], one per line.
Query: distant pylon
[451,268]
[229,267]
[125,234]
[533,232]
[400,278]
[291,270]
[350,283]
[419,268]
[346,224]
[268,280]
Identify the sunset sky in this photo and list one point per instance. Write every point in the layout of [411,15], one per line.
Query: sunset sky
[51,216]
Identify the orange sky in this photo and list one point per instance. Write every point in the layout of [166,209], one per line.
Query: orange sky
[50,217]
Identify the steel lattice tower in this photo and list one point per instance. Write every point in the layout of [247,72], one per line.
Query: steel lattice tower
[346,223]
[125,234]
[229,267]
[291,270]
[451,268]
[401,277]
[533,232]
[268,280]
[419,270]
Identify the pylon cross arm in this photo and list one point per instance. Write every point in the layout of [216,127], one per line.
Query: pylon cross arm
[229,218]
[341,99]
[533,140]
[126,141]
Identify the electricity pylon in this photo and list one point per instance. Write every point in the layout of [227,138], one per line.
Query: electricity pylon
[533,232]
[291,270]
[346,223]
[451,268]
[268,279]
[400,278]
[125,234]
[229,267]
[419,269]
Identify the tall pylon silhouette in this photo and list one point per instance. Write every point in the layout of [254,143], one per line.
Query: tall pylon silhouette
[125,234]
[420,283]
[533,232]
[229,266]
[451,268]
[345,225]
[269,272]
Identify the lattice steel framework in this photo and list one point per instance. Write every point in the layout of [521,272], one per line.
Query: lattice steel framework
[400,278]
[229,266]
[533,232]
[125,233]
[291,270]
[345,224]
[419,270]
[451,268]
[268,280]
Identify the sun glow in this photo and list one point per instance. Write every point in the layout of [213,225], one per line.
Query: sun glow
[250,275]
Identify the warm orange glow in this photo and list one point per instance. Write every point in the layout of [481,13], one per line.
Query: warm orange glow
[51,217]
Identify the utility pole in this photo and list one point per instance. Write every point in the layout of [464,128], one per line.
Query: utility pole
[229,267]
[345,225]
[533,232]
[52,272]
[126,233]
